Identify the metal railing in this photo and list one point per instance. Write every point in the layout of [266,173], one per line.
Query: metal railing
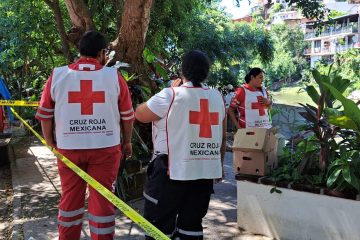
[346,29]
[328,50]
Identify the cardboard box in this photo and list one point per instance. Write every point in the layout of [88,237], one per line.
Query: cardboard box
[254,163]
[255,140]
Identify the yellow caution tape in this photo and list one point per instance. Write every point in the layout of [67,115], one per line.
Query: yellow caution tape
[123,207]
[18,103]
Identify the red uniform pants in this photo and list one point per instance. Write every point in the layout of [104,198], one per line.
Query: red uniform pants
[102,164]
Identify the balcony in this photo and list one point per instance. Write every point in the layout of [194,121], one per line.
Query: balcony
[332,32]
[328,50]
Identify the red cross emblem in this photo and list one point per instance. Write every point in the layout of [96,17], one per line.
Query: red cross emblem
[204,118]
[86,97]
[259,106]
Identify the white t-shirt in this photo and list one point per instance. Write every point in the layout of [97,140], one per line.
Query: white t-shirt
[228,98]
[159,104]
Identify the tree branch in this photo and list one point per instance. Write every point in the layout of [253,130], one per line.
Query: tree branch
[80,19]
[55,7]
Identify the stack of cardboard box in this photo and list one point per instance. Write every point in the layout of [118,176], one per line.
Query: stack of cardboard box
[255,151]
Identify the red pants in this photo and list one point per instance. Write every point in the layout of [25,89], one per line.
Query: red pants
[102,164]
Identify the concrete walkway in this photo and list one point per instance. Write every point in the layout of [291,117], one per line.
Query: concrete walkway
[36,187]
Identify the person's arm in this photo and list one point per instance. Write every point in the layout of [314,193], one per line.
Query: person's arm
[223,146]
[126,117]
[45,114]
[155,108]
[233,117]
[145,115]
[47,130]
[238,98]
[127,128]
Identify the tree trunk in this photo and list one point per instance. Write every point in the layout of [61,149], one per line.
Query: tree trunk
[55,7]
[80,19]
[130,42]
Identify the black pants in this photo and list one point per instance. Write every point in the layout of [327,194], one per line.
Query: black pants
[175,207]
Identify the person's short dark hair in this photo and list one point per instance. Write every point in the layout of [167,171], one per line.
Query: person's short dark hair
[195,67]
[91,43]
[253,72]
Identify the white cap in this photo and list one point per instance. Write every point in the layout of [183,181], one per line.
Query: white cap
[229,87]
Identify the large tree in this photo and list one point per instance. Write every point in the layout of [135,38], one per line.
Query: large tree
[130,41]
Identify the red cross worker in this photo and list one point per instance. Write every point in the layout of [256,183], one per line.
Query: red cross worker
[188,135]
[87,105]
[252,102]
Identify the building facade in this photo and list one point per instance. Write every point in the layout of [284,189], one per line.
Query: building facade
[335,36]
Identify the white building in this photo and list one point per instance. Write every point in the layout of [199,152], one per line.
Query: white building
[337,36]
[288,17]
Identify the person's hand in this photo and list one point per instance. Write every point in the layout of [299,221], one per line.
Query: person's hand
[51,143]
[176,82]
[127,149]
[265,101]
[219,180]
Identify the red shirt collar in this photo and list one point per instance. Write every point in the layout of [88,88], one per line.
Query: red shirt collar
[86,60]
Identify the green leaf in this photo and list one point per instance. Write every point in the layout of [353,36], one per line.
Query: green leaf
[148,56]
[346,173]
[125,74]
[340,83]
[318,79]
[274,189]
[343,122]
[332,113]
[351,110]
[336,163]
[146,90]
[313,93]
[355,182]
[333,177]
[159,69]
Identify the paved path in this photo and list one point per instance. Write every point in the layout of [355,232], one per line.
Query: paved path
[36,189]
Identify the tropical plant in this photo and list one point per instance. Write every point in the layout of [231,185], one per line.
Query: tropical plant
[323,130]
[298,164]
[344,172]
[333,137]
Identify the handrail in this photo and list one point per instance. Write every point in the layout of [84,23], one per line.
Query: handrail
[346,29]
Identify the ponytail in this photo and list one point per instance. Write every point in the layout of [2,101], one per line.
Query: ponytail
[196,83]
